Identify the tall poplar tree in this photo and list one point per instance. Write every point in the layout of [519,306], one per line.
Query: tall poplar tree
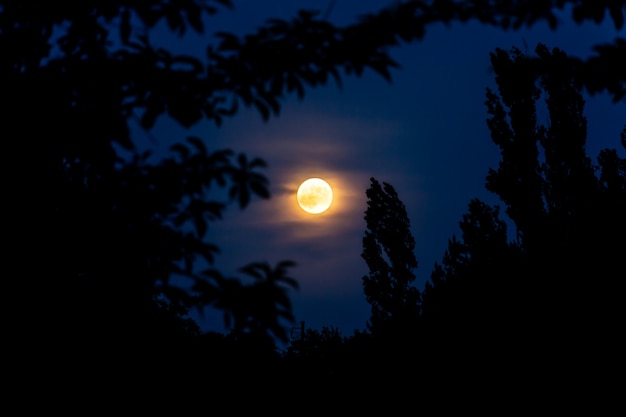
[388,250]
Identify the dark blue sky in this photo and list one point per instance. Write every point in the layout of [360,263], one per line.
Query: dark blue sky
[425,133]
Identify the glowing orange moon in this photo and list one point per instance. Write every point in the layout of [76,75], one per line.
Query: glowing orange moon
[315,195]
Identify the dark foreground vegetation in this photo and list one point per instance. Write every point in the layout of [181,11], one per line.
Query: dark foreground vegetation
[99,238]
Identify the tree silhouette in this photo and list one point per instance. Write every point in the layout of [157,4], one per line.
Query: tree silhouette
[388,247]
[407,21]
[468,291]
[556,284]
[566,222]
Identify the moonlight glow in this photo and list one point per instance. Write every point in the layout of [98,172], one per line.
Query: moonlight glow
[315,195]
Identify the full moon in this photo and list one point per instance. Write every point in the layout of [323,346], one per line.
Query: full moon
[315,195]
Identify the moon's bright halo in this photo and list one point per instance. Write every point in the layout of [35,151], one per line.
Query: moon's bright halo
[315,195]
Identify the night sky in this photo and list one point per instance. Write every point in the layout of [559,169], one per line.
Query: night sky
[425,133]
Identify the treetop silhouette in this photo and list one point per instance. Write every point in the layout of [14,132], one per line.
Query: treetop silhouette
[388,250]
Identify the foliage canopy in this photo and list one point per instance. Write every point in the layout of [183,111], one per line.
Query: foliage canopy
[109,233]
